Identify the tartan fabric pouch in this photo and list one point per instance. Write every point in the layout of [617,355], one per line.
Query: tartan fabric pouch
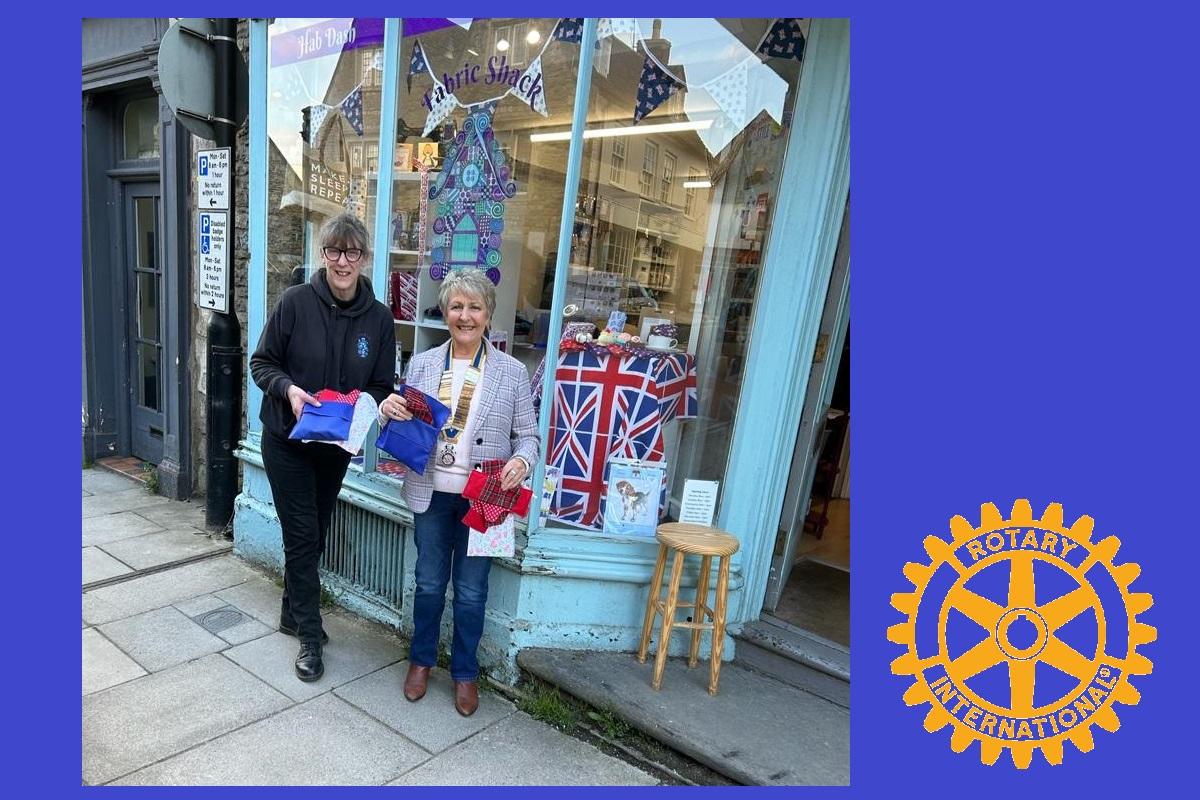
[328,422]
[411,442]
[491,505]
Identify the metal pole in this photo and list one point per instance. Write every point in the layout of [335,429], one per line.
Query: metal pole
[224,331]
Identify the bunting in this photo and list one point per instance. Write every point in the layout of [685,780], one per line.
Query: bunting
[535,92]
[441,109]
[416,63]
[569,29]
[316,118]
[783,39]
[654,86]
[352,109]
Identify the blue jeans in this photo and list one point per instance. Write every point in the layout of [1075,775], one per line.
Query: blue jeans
[441,554]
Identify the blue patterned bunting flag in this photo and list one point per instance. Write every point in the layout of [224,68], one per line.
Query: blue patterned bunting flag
[569,29]
[783,40]
[352,109]
[416,63]
[654,87]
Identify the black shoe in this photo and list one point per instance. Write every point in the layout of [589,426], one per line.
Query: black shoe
[291,631]
[308,663]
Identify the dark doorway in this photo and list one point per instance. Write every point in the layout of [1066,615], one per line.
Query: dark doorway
[144,287]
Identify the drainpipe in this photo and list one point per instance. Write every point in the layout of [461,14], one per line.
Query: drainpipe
[224,331]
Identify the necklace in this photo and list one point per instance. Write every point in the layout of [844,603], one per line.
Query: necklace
[454,427]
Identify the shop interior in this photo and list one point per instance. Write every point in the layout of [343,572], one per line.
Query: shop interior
[816,593]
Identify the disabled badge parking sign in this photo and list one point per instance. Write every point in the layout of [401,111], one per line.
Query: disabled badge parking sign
[1021,634]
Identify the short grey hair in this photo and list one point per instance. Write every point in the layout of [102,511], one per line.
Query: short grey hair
[345,230]
[471,282]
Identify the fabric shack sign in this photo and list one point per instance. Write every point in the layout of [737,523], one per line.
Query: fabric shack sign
[527,84]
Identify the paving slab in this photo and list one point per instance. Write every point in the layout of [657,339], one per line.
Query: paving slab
[102,481]
[163,547]
[104,664]
[259,597]
[325,741]
[115,527]
[179,514]
[520,751]
[351,653]
[756,730]
[138,723]
[98,565]
[162,638]
[195,606]
[134,596]
[125,500]
[245,631]
[432,721]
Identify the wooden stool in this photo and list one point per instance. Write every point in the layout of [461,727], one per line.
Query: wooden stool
[706,542]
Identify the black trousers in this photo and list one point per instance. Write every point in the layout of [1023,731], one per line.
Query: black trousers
[305,479]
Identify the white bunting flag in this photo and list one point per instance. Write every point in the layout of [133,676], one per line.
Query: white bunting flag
[534,89]
[441,110]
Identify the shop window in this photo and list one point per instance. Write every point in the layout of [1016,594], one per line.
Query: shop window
[696,272]
[140,128]
[464,222]
[320,70]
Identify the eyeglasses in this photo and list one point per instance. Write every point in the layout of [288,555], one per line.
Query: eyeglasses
[352,254]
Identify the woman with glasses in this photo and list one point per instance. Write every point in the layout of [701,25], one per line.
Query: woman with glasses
[330,333]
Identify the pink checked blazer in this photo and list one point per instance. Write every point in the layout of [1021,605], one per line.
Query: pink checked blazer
[507,425]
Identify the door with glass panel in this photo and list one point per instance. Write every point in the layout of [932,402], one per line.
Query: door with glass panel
[144,301]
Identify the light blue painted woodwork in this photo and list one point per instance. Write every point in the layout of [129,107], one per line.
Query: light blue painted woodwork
[583,86]
[567,588]
[256,280]
[797,264]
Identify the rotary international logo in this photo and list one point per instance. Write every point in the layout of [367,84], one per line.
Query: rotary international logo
[1021,633]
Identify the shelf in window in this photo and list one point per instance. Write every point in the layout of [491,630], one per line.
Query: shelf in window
[433,323]
[412,176]
[397,252]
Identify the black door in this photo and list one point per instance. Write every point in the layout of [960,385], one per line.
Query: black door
[144,286]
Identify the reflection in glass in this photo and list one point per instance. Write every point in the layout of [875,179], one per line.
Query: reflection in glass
[682,251]
[148,376]
[323,86]
[147,301]
[141,128]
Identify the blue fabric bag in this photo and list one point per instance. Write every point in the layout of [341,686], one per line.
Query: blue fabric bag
[411,442]
[328,422]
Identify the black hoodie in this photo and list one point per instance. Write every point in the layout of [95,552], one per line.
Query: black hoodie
[311,342]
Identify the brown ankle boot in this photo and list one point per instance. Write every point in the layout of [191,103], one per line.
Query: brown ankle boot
[466,697]
[415,682]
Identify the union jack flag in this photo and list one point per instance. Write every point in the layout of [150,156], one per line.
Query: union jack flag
[611,406]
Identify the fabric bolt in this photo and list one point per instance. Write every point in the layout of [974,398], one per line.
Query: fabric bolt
[442,540]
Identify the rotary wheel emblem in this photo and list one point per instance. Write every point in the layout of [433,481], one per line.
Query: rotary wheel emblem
[1021,633]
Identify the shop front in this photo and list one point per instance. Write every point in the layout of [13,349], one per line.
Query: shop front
[682,181]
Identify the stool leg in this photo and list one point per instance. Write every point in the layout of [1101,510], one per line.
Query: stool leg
[651,600]
[698,612]
[664,639]
[718,634]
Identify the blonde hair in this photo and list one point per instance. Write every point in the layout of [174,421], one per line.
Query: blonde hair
[469,281]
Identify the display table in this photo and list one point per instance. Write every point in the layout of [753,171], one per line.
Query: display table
[611,406]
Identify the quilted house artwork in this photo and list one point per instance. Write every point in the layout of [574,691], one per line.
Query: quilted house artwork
[471,190]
